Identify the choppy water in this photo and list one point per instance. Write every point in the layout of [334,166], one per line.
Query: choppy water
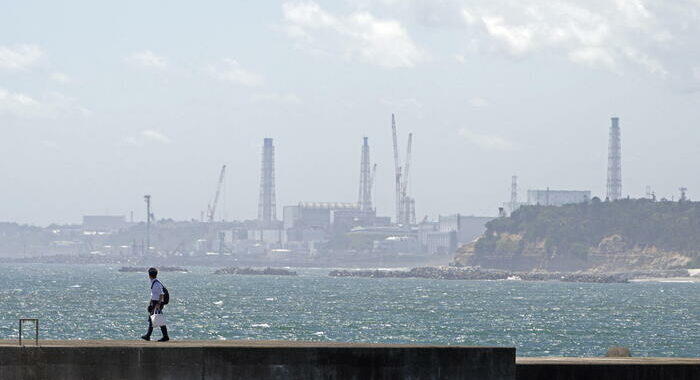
[538,318]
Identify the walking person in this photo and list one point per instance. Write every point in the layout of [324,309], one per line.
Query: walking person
[159,298]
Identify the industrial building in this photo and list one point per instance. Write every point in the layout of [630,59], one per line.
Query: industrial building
[550,197]
[316,221]
[450,232]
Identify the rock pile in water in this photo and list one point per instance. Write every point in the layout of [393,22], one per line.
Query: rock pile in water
[476,273]
[145,270]
[251,271]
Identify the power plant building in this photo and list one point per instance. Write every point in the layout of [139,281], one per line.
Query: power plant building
[557,197]
[314,219]
[450,232]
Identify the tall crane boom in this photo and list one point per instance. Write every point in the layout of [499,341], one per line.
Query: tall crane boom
[371,182]
[397,170]
[211,210]
[406,168]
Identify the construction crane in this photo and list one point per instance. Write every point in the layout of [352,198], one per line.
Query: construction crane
[371,181]
[397,171]
[211,209]
[408,211]
[404,177]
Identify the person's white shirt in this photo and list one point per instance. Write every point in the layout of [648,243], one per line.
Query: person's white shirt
[156,289]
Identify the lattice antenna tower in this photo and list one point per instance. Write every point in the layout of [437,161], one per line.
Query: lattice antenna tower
[267,208]
[614,184]
[513,194]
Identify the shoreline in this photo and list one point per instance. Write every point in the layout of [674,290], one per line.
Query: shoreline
[443,272]
[476,273]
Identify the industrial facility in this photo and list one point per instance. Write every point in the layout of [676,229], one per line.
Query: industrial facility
[549,197]
[331,232]
[340,230]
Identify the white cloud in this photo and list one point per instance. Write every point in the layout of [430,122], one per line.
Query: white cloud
[487,142]
[57,104]
[593,57]
[595,33]
[359,35]
[634,12]
[478,102]
[19,57]
[231,71]
[155,136]
[518,39]
[651,64]
[144,137]
[18,104]
[275,97]
[696,72]
[61,78]
[146,59]
[50,105]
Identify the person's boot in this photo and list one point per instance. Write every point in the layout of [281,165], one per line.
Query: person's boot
[165,337]
[148,334]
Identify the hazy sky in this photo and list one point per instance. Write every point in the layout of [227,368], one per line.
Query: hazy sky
[102,102]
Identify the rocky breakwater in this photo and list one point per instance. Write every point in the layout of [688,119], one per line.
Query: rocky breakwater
[251,271]
[476,273]
[144,269]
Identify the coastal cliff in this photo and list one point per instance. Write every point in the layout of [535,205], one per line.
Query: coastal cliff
[597,236]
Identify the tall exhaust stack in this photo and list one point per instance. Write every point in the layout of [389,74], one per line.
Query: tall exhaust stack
[267,209]
[614,185]
[365,195]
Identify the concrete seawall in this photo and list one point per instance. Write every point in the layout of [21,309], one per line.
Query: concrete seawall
[608,368]
[190,360]
[193,360]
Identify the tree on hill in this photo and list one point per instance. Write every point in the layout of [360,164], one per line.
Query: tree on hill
[574,228]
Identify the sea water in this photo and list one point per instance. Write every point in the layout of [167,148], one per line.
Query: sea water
[538,318]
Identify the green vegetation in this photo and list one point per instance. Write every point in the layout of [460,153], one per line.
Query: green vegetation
[575,228]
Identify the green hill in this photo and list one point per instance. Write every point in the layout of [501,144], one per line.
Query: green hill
[624,234]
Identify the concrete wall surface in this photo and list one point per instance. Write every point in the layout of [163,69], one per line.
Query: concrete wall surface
[608,369]
[173,361]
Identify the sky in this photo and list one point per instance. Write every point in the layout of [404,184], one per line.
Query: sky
[103,102]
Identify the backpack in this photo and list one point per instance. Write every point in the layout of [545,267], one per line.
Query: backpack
[166,294]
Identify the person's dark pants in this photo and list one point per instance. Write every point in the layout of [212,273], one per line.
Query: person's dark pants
[151,309]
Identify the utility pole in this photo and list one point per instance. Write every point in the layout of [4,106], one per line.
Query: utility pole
[147,198]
